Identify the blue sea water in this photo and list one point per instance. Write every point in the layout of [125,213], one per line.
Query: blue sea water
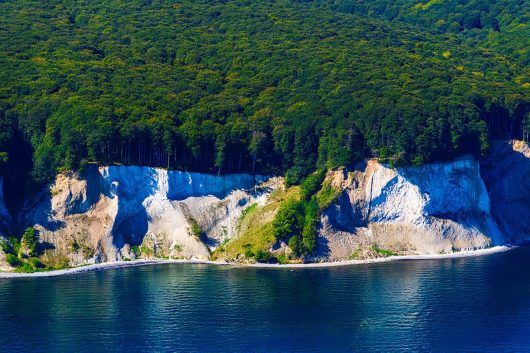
[478,304]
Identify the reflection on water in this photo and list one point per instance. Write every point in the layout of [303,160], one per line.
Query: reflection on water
[477,304]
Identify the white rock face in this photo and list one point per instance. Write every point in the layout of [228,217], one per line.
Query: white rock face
[99,215]
[438,208]
[432,209]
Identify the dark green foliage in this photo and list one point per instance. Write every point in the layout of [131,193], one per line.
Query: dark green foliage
[263,256]
[282,259]
[6,247]
[499,25]
[249,254]
[135,249]
[29,241]
[21,252]
[12,260]
[298,221]
[311,185]
[271,87]
[287,220]
[295,245]
[11,246]
[26,267]
[309,230]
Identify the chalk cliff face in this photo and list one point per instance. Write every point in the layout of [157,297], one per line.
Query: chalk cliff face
[118,212]
[506,174]
[436,208]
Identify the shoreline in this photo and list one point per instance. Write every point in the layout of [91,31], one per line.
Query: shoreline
[144,262]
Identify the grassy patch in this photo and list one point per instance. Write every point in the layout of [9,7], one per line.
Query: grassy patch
[195,228]
[327,195]
[356,254]
[255,228]
[382,252]
[249,210]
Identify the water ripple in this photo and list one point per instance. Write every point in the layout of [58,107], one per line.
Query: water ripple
[469,304]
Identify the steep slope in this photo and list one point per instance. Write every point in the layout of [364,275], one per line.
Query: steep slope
[436,208]
[5,217]
[5,225]
[118,212]
[506,173]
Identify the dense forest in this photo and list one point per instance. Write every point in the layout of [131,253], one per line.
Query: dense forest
[499,25]
[282,87]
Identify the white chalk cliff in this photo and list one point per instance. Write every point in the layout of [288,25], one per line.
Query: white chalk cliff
[98,216]
[109,213]
[432,209]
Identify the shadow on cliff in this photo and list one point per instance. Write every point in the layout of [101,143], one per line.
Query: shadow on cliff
[506,174]
[132,221]
[44,216]
[182,185]
[322,249]
[39,210]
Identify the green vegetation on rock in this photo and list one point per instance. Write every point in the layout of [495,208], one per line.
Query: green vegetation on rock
[297,219]
[22,253]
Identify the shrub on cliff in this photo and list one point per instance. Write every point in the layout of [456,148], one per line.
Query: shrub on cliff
[6,247]
[287,220]
[311,185]
[29,242]
[12,260]
[263,256]
[309,230]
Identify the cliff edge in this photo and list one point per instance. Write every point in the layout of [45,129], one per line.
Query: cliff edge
[125,212]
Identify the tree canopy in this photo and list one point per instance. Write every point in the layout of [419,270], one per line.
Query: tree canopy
[281,86]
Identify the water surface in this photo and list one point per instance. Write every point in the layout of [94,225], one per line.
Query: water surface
[467,304]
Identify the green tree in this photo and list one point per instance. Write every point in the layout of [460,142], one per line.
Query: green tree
[309,230]
[29,241]
[287,220]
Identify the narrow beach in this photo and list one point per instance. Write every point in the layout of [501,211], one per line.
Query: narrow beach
[143,262]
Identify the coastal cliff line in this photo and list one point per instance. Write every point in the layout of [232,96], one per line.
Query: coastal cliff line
[121,213]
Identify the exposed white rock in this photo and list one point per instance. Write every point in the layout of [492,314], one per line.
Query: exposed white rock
[97,216]
[436,208]
[432,209]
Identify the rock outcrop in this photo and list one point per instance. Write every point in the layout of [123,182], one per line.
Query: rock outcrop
[435,208]
[118,212]
[432,209]
[506,173]
[123,212]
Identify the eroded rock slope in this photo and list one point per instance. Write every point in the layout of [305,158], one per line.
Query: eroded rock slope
[432,209]
[118,212]
[123,212]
